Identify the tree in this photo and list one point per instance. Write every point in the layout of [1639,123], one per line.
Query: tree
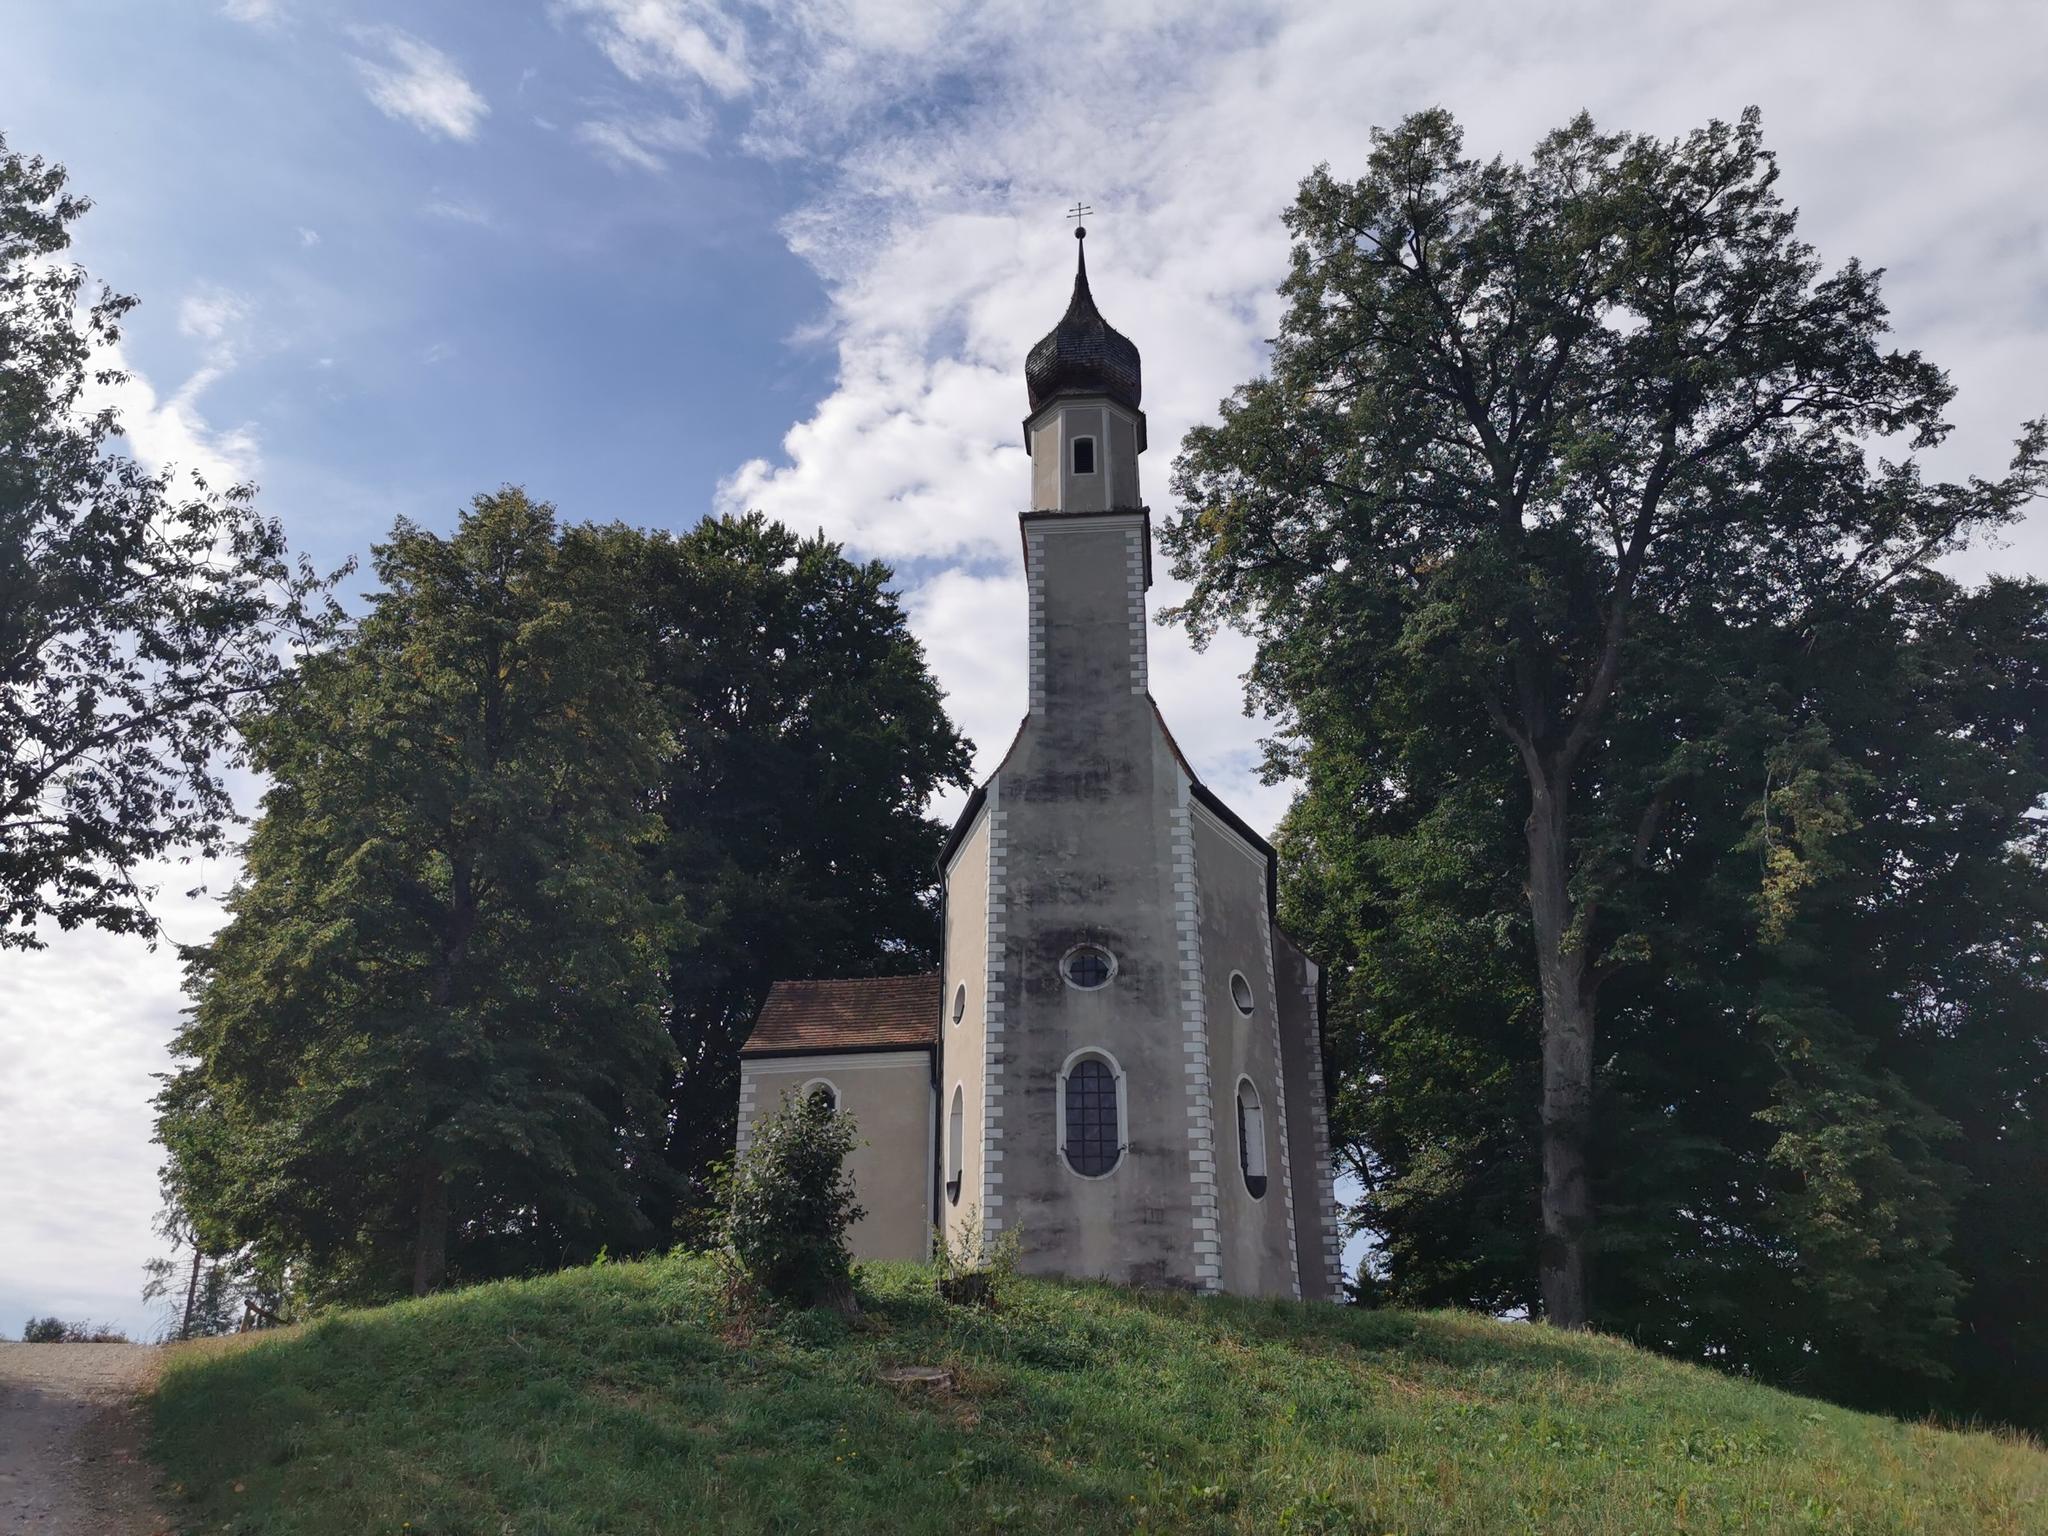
[136,617]
[429,1032]
[792,1203]
[1533,434]
[805,736]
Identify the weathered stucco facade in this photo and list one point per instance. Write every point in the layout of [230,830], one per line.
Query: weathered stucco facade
[1123,1061]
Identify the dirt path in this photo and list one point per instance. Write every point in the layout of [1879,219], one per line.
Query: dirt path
[71,1441]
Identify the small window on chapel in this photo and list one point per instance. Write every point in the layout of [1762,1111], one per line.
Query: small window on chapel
[1084,455]
[960,1002]
[1251,1138]
[1241,993]
[823,1095]
[1088,968]
[1094,1141]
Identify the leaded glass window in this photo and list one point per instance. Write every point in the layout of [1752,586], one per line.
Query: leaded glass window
[1089,967]
[1093,1144]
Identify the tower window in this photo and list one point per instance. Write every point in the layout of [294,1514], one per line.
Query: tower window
[1091,1114]
[956,1142]
[1241,993]
[1084,455]
[960,1002]
[1088,967]
[1251,1138]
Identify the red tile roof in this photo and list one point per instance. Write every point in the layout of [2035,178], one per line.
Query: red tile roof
[874,1013]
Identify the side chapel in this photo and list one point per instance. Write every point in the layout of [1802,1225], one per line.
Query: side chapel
[1120,1059]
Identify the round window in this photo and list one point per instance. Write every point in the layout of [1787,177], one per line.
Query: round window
[1241,993]
[1088,967]
[960,1002]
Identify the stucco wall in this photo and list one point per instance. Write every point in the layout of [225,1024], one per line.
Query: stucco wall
[1054,486]
[889,1095]
[961,1045]
[1256,1231]
[1087,795]
[1317,1238]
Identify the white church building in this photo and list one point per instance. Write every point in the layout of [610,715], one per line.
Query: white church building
[1120,1059]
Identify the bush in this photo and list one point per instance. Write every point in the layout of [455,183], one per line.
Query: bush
[792,1202]
[54,1330]
[973,1269]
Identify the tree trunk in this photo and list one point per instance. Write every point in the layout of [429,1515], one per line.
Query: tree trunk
[430,1253]
[1567,1055]
[191,1295]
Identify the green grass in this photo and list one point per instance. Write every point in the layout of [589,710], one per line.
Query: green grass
[623,1399]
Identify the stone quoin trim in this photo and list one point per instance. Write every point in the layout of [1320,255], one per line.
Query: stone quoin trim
[1134,565]
[1319,1112]
[748,1084]
[993,991]
[1272,1002]
[1194,1016]
[1034,590]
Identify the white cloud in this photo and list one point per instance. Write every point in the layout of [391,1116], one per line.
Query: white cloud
[694,42]
[414,82]
[459,210]
[644,143]
[255,12]
[208,313]
[308,238]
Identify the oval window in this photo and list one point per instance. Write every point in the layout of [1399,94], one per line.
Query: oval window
[1241,993]
[960,1002]
[1088,967]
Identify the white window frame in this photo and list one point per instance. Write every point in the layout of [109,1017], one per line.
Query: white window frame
[1101,949]
[1123,1112]
[956,1143]
[1251,1151]
[959,1002]
[1250,992]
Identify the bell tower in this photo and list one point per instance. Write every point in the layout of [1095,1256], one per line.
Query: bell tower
[1085,430]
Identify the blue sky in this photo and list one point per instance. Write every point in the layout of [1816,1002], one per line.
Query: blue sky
[653,258]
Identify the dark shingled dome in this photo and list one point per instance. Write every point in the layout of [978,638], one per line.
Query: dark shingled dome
[1083,354]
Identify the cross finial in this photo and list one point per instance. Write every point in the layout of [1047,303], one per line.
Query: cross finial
[1079,211]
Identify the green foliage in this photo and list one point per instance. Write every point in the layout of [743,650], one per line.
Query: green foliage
[792,1202]
[1638,735]
[621,1400]
[54,1330]
[429,1033]
[805,736]
[970,1266]
[138,612]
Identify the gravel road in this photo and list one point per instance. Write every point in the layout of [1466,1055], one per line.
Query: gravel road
[71,1459]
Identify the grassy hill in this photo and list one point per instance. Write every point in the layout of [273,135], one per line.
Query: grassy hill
[627,1399]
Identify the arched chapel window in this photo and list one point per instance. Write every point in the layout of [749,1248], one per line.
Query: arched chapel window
[1251,1138]
[1084,455]
[1091,1115]
[956,1143]
[818,1091]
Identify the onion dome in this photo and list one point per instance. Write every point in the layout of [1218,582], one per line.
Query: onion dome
[1083,354]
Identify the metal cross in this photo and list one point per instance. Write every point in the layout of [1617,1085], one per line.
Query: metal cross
[1079,211]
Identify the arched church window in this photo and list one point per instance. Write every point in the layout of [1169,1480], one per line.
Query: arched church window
[820,1092]
[1241,993]
[1088,967]
[960,1002]
[1091,1114]
[1251,1138]
[1084,455]
[956,1143]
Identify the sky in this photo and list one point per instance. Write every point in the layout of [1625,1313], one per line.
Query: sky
[655,259]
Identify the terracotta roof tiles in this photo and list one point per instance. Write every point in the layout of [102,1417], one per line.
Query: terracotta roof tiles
[869,1014]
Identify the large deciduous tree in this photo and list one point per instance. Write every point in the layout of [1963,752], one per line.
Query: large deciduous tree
[430,1032]
[138,610]
[1541,444]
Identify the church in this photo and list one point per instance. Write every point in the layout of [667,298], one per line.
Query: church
[1120,1058]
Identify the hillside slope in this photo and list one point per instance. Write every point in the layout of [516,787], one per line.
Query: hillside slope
[625,1399]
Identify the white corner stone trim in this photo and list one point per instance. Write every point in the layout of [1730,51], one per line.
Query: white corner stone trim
[1135,570]
[1326,1172]
[748,1084]
[992,993]
[1194,1015]
[1280,1104]
[1034,588]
